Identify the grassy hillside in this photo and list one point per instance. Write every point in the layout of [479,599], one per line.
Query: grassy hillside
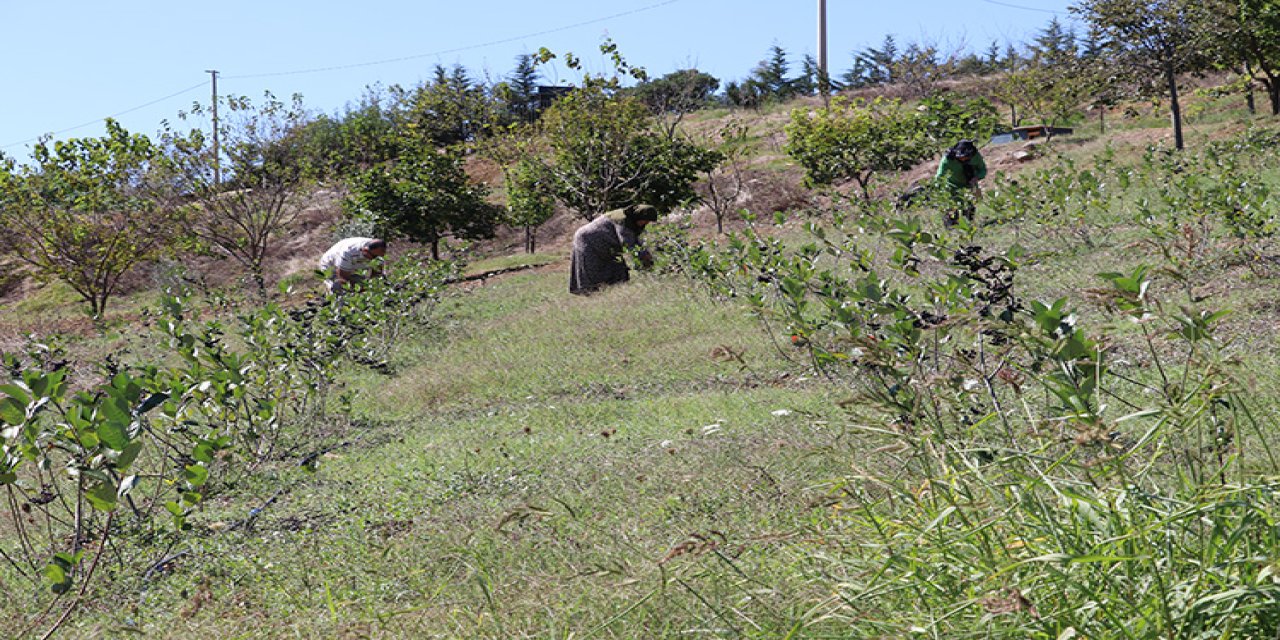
[661,461]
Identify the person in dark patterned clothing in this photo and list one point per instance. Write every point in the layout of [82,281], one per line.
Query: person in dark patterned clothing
[598,246]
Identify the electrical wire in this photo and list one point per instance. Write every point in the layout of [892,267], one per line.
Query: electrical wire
[454,50]
[1017,6]
[114,115]
[352,66]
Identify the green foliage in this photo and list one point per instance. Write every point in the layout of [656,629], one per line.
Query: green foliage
[450,109]
[248,189]
[360,138]
[159,440]
[424,196]
[855,139]
[678,92]
[87,211]
[1157,39]
[604,154]
[529,201]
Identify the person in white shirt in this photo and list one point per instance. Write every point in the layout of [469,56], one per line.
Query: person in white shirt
[345,261]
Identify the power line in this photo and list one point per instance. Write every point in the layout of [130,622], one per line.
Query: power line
[114,115]
[455,50]
[1017,6]
[357,65]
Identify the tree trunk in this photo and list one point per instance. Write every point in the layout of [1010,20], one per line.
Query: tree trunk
[530,240]
[1102,119]
[1248,99]
[1273,93]
[435,248]
[1175,110]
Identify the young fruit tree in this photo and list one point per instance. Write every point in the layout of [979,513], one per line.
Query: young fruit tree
[1158,39]
[424,196]
[246,191]
[853,140]
[86,211]
[605,152]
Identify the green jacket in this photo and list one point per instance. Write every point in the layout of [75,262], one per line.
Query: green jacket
[953,171]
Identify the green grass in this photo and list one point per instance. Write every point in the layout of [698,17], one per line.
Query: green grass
[648,463]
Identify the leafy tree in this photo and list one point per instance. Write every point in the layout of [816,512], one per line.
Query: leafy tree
[723,184]
[87,211]
[942,119]
[424,196]
[266,171]
[522,89]
[1247,38]
[529,200]
[1159,39]
[450,109]
[745,94]
[359,138]
[678,92]
[604,153]
[855,139]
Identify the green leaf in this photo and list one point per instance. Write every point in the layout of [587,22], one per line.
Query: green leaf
[13,412]
[102,496]
[116,409]
[196,475]
[115,433]
[203,452]
[16,392]
[152,402]
[57,578]
[128,455]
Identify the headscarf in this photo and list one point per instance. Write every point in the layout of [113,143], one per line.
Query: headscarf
[963,149]
[631,215]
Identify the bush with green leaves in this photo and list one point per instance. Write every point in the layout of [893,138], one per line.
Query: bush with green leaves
[603,152]
[424,196]
[854,140]
[92,475]
[87,211]
[1015,478]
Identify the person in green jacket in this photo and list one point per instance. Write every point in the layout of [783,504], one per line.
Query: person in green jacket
[961,169]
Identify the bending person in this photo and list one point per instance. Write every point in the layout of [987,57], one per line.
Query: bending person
[597,258]
[960,170]
[344,263]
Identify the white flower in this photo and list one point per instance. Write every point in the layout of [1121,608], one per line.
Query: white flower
[782,412]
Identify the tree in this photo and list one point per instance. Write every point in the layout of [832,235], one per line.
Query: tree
[529,200]
[855,139]
[604,153]
[678,92]
[522,86]
[874,66]
[770,75]
[1160,39]
[1248,39]
[424,196]
[356,140]
[87,211]
[266,169]
[723,184]
[450,109]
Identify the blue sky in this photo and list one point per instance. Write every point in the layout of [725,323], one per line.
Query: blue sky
[70,63]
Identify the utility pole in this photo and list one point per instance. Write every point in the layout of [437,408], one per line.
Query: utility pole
[824,80]
[217,151]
